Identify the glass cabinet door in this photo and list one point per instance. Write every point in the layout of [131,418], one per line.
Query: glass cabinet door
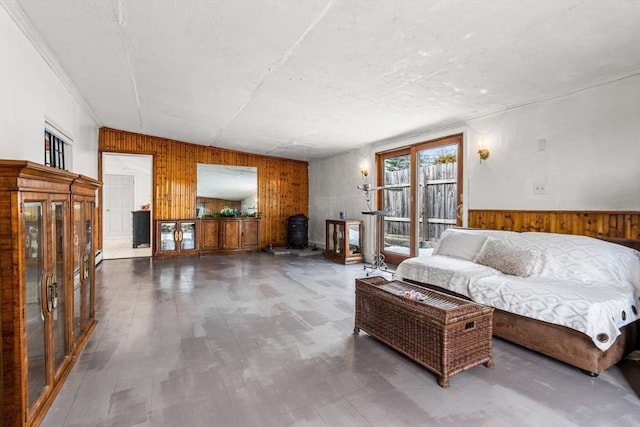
[176,236]
[168,236]
[187,236]
[56,288]
[82,257]
[331,240]
[338,237]
[78,270]
[354,239]
[88,258]
[35,312]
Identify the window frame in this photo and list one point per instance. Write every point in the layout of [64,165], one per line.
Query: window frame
[57,148]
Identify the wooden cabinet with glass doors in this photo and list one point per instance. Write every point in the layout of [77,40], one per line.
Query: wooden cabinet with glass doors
[343,241]
[39,344]
[83,202]
[176,237]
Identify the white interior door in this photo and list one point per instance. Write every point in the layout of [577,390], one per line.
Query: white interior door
[118,204]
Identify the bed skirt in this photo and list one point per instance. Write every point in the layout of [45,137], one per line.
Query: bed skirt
[559,342]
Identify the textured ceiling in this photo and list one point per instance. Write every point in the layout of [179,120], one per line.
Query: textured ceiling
[310,79]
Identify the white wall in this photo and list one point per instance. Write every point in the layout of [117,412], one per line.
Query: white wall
[591,160]
[140,166]
[31,93]
[332,189]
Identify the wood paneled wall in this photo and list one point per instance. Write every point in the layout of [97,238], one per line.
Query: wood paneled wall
[587,223]
[283,184]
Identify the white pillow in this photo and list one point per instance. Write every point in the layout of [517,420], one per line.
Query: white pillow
[507,258]
[461,244]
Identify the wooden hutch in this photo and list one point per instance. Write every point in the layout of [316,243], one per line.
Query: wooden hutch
[47,288]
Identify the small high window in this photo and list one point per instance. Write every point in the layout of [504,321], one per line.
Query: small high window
[56,151]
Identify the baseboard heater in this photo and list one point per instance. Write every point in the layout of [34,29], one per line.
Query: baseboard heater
[99,256]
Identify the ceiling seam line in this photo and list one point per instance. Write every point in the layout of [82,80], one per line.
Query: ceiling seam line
[121,21]
[282,60]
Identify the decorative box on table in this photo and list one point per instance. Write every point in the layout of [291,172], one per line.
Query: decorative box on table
[443,333]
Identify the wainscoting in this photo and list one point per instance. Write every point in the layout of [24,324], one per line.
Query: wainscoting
[610,224]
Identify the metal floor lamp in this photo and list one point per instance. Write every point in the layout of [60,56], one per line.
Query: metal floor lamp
[378,263]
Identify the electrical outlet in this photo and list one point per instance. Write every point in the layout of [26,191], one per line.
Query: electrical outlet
[539,188]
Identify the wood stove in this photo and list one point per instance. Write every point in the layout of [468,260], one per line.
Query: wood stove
[297,231]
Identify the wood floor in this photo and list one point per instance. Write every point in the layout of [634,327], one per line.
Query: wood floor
[260,340]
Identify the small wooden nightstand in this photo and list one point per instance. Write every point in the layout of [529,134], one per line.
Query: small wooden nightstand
[343,241]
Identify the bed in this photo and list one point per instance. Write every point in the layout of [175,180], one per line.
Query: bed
[573,298]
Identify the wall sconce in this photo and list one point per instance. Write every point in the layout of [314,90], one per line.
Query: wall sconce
[483,153]
[364,172]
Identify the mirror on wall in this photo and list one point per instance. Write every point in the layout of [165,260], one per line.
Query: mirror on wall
[226,190]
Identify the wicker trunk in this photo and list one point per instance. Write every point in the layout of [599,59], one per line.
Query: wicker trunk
[445,334]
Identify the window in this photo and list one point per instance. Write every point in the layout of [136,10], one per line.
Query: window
[56,151]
